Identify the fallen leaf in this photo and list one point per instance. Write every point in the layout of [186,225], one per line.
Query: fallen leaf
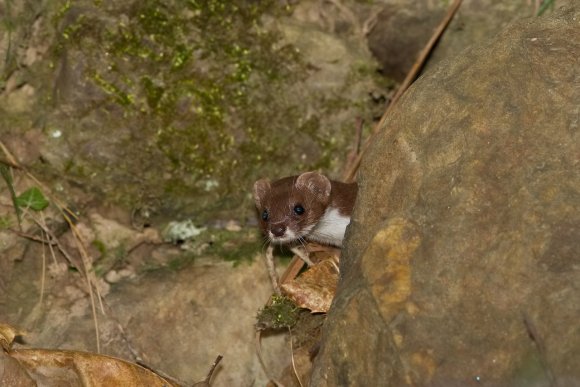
[74,368]
[315,288]
[7,335]
[12,374]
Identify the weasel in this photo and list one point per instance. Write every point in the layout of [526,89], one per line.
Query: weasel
[307,207]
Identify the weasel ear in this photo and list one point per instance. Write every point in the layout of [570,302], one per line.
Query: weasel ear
[316,183]
[261,188]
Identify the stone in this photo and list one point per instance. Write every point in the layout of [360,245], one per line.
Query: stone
[462,260]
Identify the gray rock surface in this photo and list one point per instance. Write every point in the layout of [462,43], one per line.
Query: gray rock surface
[462,263]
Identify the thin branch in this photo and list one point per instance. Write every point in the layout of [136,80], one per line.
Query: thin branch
[292,358]
[261,359]
[271,266]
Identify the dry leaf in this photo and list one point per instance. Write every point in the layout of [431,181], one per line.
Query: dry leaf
[73,368]
[315,288]
[12,374]
[7,335]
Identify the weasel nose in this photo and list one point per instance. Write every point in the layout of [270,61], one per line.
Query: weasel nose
[278,231]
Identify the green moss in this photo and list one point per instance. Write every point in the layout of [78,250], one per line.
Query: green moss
[281,313]
[189,78]
[177,106]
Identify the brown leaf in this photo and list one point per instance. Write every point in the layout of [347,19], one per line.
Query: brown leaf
[7,335]
[12,373]
[315,288]
[74,368]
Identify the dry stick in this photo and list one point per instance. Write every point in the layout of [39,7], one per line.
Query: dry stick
[52,253]
[85,262]
[291,272]
[417,66]
[296,264]
[43,277]
[207,381]
[261,360]
[212,369]
[42,224]
[91,278]
[56,242]
[269,257]
[40,239]
[44,241]
[9,163]
[292,358]
[352,155]
[10,160]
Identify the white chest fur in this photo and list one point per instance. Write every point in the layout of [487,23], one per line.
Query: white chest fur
[330,228]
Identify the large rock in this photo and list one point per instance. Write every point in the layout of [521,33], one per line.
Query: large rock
[463,261]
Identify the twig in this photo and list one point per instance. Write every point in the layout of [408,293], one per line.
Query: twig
[10,160]
[213,367]
[411,76]
[269,257]
[296,264]
[9,163]
[56,242]
[91,280]
[303,254]
[261,359]
[420,62]
[90,277]
[292,358]
[34,238]
[206,381]
[43,275]
[352,155]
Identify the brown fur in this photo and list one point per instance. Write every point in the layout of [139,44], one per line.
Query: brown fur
[313,191]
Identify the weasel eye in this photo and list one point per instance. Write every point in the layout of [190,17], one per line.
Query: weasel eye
[298,209]
[265,215]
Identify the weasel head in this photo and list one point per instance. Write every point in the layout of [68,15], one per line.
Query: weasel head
[289,208]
